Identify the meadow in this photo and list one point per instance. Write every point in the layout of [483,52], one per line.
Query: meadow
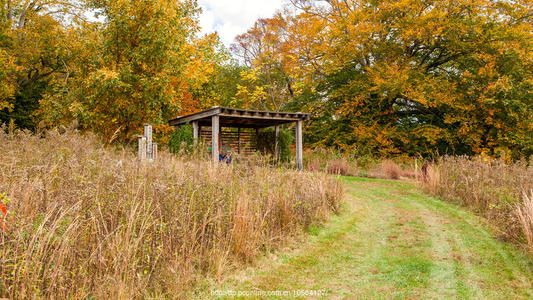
[85,219]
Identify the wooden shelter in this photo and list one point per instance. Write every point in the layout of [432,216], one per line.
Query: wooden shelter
[245,122]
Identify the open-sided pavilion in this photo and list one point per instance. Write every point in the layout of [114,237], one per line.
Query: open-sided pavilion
[219,117]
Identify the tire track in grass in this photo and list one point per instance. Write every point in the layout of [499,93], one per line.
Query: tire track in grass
[459,256]
[480,260]
[492,267]
[393,241]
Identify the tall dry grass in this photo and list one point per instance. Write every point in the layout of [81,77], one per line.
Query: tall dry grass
[524,212]
[85,220]
[330,162]
[494,189]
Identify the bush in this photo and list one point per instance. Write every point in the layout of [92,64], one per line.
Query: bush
[341,166]
[88,221]
[329,162]
[390,169]
[181,140]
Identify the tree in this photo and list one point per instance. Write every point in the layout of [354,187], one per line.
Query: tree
[266,83]
[34,49]
[414,76]
[139,65]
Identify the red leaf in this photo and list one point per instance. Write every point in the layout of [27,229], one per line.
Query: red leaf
[3,208]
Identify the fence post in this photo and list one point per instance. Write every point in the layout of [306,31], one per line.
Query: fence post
[148,135]
[142,147]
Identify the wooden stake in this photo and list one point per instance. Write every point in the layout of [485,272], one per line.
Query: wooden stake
[142,147]
[148,135]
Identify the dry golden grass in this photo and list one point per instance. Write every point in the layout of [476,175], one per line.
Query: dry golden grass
[524,212]
[330,162]
[85,220]
[494,189]
[390,169]
[341,166]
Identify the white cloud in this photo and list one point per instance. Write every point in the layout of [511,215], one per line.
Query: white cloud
[232,17]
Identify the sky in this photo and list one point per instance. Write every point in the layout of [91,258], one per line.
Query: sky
[232,17]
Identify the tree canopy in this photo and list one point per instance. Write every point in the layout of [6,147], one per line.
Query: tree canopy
[393,77]
[381,77]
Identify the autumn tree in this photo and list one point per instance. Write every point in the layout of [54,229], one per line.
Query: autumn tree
[139,64]
[413,76]
[267,82]
[33,50]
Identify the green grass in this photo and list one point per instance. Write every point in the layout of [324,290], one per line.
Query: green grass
[393,241]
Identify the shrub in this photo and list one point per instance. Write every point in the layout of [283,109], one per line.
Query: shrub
[390,169]
[89,221]
[181,140]
[329,162]
[265,142]
[341,166]
[313,165]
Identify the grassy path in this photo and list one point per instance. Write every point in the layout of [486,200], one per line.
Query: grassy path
[392,241]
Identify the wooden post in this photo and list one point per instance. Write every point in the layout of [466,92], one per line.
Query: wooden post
[142,147]
[299,145]
[239,140]
[214,137]
[154,151]
[195,131]
[257,140]
[276,144]
[148,135]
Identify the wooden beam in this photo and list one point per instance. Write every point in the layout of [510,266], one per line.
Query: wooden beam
[299,146]
[259,117]
[142,147]
[214,137]
[201,115]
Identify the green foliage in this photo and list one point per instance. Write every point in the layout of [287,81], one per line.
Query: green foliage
[181,139]
[221,88]
[265,142]
[24,104]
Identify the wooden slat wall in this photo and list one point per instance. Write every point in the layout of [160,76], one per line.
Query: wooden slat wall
[230,139]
